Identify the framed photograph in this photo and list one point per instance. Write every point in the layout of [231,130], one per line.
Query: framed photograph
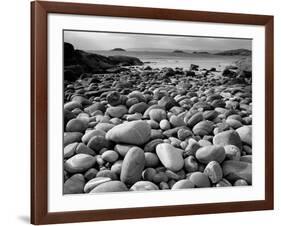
[147,112]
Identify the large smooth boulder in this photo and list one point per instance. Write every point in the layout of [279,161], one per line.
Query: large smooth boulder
[228,137]
[245,133]
[135,132]
[170,156]
[71,137]
[79,163]
[74,185]
[183,184]
[132,166]
[91,184]
[144,186]
[203,128]
[200,180]
[117,111]
[210,153]
[234,170]
[110,186]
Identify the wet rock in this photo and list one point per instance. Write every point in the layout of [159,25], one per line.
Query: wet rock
[183,184]
[72,105]
[74,185]
[183,134]
[131,101]
[116,167]
[246,158]
[104,126]
[151,159]
[190,164]
[69,150]
[95,107]
[117,111]
[233,123]
[76,125]
[110,156]
[153,124]
[151,145]
[134,117]
[214,171]
[167,102]
[210,153]
[223,183]
[90,185]
[135,132]
[113,98]
[203,128]
[176,121]
[210,115]
[90,173]
[144,186]
[232,152]
[97,143]
[193,67]
[228,137]
[200,180]
[160,177]
[170,156]
[83,149]
[157,114]
[110,186]
[164,124]
[133,166]
[138,108]
[68,115]
[79,163]
[197,117]
[122,149]
[171,132]
[192,147]
[107,173]
[92,133]
[148,174]
[240,182]
[163,186]
[234,170]
[245,134]
[138,95]
[71,137]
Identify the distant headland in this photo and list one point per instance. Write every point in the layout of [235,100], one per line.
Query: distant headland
[118,49]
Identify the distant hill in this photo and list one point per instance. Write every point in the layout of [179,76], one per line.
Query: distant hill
[200,52]
[235,52]
[118,49]
[178,51]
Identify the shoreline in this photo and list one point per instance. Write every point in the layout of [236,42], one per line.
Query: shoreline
[135,128]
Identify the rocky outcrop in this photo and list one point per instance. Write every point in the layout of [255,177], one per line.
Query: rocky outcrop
[178,51]
[241,72]
[118,49]
[77,62]
[235,52]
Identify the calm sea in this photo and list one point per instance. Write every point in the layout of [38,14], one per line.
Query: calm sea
[183,60]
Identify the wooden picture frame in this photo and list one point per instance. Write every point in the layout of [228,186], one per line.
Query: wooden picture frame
[39,112]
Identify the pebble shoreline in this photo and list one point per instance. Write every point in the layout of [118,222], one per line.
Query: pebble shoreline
[157,129]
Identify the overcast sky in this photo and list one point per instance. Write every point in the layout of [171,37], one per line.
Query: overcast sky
[106,41]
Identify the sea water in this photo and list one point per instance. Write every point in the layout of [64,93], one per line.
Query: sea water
[173,60]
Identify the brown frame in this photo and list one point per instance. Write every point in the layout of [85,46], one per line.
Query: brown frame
[39,107]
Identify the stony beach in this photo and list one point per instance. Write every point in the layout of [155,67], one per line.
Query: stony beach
[130,127]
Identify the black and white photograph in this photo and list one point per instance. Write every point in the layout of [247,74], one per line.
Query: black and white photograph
[145,112]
